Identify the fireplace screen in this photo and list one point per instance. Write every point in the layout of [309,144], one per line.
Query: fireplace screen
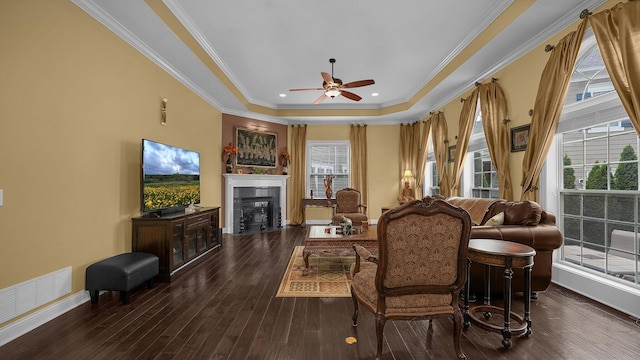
[255,209]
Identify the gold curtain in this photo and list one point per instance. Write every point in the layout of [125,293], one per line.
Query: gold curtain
[493,106]
[467,116]
[548,106]
[298,167]
[423,153]
[409,144]
[439,131]
[358,137]
[617,32]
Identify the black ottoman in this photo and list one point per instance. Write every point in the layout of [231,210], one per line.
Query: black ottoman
[121,273]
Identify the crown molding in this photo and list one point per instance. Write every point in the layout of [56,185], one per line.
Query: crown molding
[564,22]
[105,19]
[472,35]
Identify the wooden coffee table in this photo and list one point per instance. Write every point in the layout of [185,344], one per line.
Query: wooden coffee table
[326,240]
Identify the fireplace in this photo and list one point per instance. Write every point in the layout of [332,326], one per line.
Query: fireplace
[255,209]
[254,202]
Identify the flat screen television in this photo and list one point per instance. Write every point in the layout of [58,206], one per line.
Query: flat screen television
[170,178]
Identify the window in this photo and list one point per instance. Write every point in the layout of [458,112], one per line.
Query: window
[432,183]
[598,175]
[484,183]
[485,177]
[326,159]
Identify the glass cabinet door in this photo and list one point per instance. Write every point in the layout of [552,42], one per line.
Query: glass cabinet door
[193,242]
[177,243]
[202,238]
[214,236]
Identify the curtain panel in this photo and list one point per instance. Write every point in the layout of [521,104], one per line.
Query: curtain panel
[467,116]
[358,143]
[423,154]
[439,131]
[409,147]
[493,106]
[298,171]
[617,33]
[547,109]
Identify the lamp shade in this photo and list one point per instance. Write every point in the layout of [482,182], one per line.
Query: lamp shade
[332,92]
[407,174]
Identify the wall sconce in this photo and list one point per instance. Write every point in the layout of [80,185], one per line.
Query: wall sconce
[163,111]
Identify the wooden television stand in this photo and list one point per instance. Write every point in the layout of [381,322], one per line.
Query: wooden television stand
[178,239]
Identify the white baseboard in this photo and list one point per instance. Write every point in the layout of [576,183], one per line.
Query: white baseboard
[48,313]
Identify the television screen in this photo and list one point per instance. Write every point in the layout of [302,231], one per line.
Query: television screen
[170,177]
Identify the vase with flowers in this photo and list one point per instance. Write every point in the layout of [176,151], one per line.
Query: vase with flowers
[230,150]
[285,157]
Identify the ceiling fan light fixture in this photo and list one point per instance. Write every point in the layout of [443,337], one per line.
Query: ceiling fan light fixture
[333,86]
[332,92]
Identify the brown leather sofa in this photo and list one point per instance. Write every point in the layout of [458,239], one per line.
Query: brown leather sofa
[524,222]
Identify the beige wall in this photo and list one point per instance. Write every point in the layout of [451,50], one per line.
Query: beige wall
[75,102]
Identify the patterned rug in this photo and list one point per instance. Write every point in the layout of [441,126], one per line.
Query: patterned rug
[328,276]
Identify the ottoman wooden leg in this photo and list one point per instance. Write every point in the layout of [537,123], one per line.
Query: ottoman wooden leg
[124,297]
[94,296]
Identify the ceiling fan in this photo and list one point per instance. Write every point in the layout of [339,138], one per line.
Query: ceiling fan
[333,86]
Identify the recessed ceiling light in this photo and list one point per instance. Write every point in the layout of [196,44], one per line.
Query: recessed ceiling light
[283,95]
[375,94]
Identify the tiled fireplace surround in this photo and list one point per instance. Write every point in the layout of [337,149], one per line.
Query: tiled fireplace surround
[233,181]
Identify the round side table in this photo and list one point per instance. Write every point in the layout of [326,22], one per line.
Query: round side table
[508,255]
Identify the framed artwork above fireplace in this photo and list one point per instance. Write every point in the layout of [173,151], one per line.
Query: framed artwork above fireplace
[256,148]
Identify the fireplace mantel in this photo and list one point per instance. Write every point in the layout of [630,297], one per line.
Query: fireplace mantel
[232,181]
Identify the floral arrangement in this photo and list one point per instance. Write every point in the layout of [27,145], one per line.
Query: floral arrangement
[285,157]
[230,149]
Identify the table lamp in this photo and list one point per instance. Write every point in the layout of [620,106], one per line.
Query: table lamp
[407,176]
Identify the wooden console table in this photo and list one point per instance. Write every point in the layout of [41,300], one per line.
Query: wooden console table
[328,203]
[508,255]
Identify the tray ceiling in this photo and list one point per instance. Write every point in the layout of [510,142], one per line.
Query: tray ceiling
[241,55]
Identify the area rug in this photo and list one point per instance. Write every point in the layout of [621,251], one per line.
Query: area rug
[328,276]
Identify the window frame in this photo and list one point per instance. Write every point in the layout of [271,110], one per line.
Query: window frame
[599,284]
[317,194]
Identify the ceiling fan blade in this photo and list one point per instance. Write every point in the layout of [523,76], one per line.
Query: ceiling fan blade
[322,97]
[306,89]
[327,78]
[350,95]
[358,83]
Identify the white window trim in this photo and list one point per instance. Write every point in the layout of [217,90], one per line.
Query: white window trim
[312,143]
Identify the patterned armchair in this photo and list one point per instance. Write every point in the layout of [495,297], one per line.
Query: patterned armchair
[420,268]
[348,203]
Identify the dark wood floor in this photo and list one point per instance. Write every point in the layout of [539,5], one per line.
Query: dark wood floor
[224,308]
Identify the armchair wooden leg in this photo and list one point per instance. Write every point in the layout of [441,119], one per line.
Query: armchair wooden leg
[380,321]
[354,318]
[457,333]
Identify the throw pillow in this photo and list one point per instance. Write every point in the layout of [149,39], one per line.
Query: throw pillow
[496,220]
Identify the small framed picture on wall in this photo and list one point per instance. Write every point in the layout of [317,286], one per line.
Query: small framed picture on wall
[451,153]
[520,138]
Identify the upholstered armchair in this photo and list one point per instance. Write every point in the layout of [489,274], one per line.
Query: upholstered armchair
[419,270]
[348,204]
